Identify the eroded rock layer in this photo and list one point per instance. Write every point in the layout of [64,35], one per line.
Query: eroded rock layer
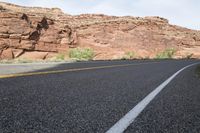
[40,33]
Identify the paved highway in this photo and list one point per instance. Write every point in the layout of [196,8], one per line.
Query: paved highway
[94,96]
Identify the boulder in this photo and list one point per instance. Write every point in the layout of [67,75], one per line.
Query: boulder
[27,44]
[34,55]
[17,52]
[7,54]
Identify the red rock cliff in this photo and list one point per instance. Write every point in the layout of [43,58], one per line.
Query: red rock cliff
[30,32]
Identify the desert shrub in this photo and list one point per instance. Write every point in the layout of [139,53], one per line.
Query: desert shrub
[128,55]
[146,58]
[25,61]
[166,54]
[189,56]
[22,60]
[5,61]
[81,54]
[60,56]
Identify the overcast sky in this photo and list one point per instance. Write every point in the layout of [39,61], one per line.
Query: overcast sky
[180,12]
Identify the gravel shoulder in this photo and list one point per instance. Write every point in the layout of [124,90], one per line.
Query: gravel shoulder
[27,67]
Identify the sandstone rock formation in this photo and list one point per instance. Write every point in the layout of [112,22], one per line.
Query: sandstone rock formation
[38,33]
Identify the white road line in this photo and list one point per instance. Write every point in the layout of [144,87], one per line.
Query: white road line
[129,118]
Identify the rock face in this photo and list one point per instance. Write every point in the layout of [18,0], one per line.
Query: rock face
[33,32]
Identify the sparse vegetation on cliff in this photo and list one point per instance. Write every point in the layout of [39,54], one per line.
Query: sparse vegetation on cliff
[128,55]
[15,61]
[81,54]
[189,56]
[60,57]
[166,54]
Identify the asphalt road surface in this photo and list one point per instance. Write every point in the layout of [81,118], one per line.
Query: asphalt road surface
[94,99]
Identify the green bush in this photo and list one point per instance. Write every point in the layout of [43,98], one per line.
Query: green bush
[167,54]
[146,58]
[60,57]
[128,55]
[22,60]
[81,54]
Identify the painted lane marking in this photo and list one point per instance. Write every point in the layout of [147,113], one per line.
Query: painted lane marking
[69,70]
[129,118]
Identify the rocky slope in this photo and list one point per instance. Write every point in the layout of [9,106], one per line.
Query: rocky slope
[41,33]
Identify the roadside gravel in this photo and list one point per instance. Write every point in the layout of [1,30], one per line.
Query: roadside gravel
[26,67]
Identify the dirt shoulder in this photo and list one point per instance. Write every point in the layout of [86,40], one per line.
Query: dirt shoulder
[27,67]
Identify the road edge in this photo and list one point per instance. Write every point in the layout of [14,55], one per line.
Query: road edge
[129,118]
